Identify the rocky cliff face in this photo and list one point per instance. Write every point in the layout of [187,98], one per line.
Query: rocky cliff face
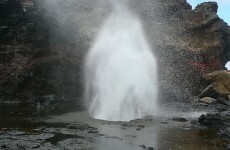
[188,43]
[43,45]
[35,66]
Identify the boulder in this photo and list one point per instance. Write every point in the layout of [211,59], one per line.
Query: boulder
[211,120]
[221,76]
[215,90]
[47,100]
[208,7]
[208,100]
[220,85]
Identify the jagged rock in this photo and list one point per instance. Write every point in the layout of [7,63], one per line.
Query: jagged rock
[222,76]
[207,7]
[220,86]
[45,100]
[225,133]
[150,148]
[211,120]
[223,101]
[8,91]
[215,90]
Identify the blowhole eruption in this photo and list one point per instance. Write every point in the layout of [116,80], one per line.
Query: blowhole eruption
[121,70]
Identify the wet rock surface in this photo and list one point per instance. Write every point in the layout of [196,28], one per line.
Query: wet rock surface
[32,129]
[31,69]
[216,117]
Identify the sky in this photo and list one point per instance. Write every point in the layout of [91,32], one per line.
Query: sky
[223,11]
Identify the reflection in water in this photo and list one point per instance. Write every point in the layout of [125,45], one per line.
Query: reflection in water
[159,133]
[127,136]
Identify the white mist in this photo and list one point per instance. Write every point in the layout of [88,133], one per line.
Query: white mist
[121,71]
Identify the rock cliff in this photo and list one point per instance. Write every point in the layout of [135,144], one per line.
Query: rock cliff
[43,46]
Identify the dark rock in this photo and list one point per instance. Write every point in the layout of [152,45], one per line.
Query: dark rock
[223,101]
[210,91]
[140,126]
[8,91]
[146,148]
[113,137]
[195,123]
[126,125]
[132,136]
[142,146]
[179,119]
[45,100]
[94,131]
[82,127]
[196,99]
[3,146]
[224,133]
[207,7]
[150,148]
[24,31]
[211,120]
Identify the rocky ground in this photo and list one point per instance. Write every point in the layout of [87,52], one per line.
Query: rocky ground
[217,117]
[216,97]
[31,129]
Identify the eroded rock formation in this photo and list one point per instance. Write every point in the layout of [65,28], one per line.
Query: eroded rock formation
[31,69]
[43,45]
[219,85]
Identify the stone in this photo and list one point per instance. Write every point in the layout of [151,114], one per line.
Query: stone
[208,100]
[221,89]
[142,146]
[179,119]
[150,148]
[223,101]
[196,99]
[4,146]
[215,90]
[225,133]
[139,129]
[94,131]
[220,85]
[47,100]
[208,7]
[211,120]
[141,126]
[222,76]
